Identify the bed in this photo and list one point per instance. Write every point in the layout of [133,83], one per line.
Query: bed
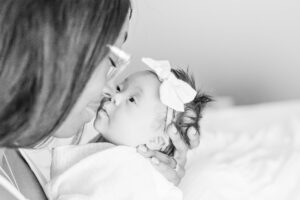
[246,152]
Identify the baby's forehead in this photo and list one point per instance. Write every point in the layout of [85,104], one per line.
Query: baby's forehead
[144,77]
[146,81]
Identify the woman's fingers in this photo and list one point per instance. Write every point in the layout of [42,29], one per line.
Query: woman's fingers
[165,164]
[180,147]
[161,157]
[170,174]
[194,137]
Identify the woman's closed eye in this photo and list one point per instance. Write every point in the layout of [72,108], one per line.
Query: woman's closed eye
[112,62]
[113,69]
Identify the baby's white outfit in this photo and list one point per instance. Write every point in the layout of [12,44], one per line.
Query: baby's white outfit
[117,173]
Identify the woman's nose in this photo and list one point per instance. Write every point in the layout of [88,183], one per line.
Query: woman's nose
[108,91]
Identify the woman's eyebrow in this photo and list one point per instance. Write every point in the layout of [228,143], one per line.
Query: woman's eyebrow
[130,12]
[125,37]
[112,62]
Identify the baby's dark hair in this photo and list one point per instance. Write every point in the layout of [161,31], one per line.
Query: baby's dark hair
[192,111]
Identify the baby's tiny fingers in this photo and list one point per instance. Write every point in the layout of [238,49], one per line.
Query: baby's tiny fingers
[161,157]
[144,151]
[169,161]
[180,171]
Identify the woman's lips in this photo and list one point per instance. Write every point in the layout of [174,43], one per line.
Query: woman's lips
[94,105]
[101,109]
[90,111]
[102,112]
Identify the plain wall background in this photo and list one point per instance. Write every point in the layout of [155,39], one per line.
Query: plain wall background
[247,49]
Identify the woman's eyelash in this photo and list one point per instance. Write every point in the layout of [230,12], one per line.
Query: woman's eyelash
[112,62]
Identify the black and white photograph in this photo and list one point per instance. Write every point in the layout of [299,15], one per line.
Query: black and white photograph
[149,100]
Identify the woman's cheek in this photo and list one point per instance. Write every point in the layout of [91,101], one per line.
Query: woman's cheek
[88,114]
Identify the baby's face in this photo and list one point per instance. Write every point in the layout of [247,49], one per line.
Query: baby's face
[133,114]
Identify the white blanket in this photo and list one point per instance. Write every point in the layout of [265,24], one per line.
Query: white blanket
[120,173]
[249,153]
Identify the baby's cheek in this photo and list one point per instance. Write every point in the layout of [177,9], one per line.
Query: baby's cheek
[118,125]
[158,124]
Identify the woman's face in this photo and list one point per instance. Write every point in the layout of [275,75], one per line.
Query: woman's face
[85,108]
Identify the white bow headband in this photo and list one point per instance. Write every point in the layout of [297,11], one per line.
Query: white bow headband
[174,92]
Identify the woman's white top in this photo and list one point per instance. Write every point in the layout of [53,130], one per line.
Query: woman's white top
[87,172]
[7,183]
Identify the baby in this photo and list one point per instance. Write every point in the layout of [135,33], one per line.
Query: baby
[136,111]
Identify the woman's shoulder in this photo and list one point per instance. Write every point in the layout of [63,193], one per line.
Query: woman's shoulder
[23,177]
[7,190]
[5,194]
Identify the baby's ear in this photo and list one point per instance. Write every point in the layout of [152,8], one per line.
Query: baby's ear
[157,143]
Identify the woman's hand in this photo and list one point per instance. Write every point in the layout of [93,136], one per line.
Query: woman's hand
[172,167]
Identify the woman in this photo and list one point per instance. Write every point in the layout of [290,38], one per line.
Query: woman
[53,63]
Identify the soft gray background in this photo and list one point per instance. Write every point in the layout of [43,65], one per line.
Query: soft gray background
[246,49]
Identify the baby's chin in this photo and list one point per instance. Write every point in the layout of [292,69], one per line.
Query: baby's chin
[112,137]
[103,129]
[104,139]
[100,126]
[103,133]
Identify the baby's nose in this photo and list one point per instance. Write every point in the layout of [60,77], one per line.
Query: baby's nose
[117,99]
[112,95]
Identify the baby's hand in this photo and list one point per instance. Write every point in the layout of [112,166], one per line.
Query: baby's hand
[171,167]
[157,143]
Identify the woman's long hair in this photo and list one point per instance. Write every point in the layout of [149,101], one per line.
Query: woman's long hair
[48,51]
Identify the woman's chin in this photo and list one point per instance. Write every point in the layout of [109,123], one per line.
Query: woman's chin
[69,129]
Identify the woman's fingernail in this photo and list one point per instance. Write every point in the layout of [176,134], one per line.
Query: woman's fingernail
[193,133]
[154,160]
[174,130]
[143,148]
